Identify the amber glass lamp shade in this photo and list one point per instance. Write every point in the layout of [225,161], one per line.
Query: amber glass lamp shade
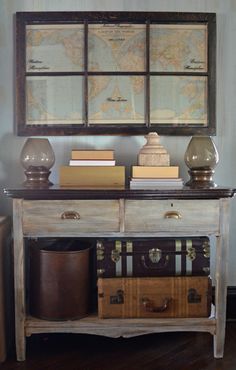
[201,157]
[37,157]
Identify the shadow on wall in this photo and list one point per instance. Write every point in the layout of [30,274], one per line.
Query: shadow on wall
[126,149]
[11,171]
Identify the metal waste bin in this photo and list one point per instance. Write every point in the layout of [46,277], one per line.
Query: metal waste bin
[59,280]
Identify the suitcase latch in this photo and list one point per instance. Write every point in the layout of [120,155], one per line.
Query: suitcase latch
[115,255]
[191,253]
[118,298]
[154,255]
[206,249]
[100,251]
[100,272]
[193,296]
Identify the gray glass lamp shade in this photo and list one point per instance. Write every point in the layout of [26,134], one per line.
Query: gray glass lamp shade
[201,157]
[37,157]
[201,153]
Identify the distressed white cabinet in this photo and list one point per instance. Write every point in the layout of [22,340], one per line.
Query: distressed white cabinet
[57,212]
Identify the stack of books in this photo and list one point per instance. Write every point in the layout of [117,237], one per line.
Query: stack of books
[155,177]
[85,157]
[92,169]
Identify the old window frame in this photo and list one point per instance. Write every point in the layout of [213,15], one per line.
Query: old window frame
[24,19]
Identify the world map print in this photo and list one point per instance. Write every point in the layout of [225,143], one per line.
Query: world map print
[178,100]
[178,48]
[54,48]
[116,47]
[116,99]
[54,100]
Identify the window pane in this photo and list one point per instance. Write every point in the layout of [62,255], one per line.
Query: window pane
[178,100]
[116,99]
[54,100]
[178,48]
[116,47]
[54,48]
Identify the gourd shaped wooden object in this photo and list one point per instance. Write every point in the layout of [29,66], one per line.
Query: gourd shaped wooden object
[153,153]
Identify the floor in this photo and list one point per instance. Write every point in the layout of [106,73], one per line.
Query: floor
[175,351]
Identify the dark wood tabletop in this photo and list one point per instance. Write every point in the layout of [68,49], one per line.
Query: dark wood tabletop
[58,192]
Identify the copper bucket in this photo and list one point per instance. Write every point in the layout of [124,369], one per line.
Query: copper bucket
[59,287]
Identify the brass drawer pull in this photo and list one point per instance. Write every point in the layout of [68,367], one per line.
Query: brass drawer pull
[173,214]
[70,215]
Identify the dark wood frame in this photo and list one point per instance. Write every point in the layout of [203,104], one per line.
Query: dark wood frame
[26,18]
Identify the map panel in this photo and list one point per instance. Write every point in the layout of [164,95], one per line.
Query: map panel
[116,47]
[54,48]
[54,100]
[178,48]
[178,100]
[116,99]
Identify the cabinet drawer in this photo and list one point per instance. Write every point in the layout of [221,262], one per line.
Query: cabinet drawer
[172,216]
[70,217]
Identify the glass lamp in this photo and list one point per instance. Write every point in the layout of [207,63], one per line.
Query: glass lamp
[37,157]
[201,157]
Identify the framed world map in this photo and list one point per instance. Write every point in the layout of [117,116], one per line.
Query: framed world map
[115,73]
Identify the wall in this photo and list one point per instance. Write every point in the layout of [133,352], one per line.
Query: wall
[126,148]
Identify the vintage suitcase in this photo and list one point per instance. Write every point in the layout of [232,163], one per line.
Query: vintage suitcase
[158,297]
[153,257]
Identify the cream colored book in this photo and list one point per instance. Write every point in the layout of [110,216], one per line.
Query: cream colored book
[155,171]
[92,162]
[92,176]
[97,154]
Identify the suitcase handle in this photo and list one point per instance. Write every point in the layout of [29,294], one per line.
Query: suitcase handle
[149,305]
[143,261]
[70,215]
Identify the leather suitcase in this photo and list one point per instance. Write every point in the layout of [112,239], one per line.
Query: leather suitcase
[159,297]
[153,257]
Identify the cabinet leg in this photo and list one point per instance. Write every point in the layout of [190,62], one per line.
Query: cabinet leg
[219,340]
[19,279]
[20,348]
[222,246]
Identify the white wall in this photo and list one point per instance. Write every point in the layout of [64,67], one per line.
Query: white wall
[126,148]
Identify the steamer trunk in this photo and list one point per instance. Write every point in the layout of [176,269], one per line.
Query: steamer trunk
[154,297]
[153,257]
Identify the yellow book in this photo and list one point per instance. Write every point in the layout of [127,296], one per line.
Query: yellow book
[92,176]
[92,154]
[155,171]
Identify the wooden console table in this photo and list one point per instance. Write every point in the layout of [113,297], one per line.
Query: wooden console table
[70,212]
